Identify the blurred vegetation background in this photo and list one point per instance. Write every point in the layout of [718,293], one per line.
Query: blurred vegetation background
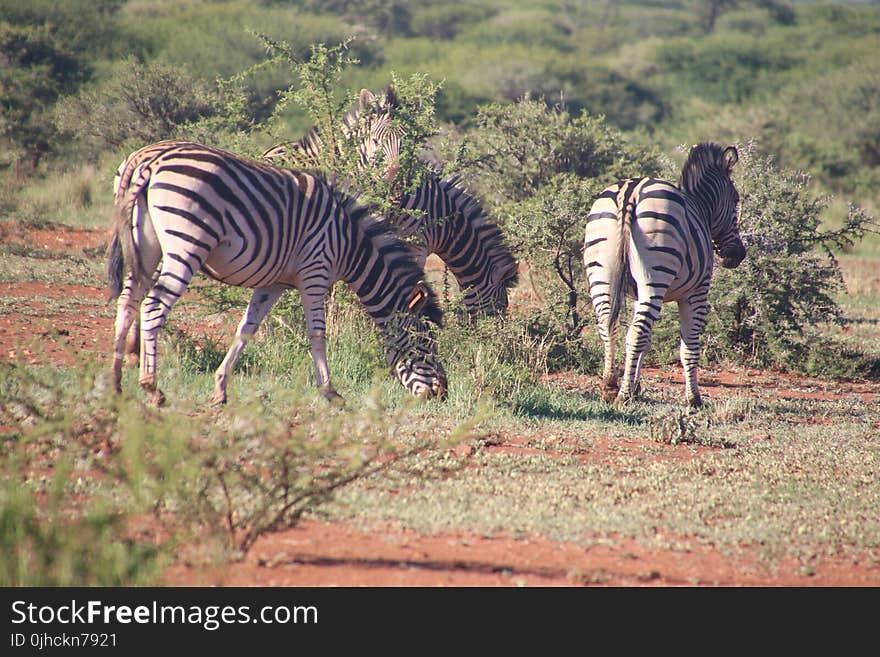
[80,78]
[535,105]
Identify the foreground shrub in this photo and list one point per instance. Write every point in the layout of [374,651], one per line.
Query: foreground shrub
[97,489]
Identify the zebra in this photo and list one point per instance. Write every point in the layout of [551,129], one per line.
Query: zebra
[440,214]
[449,222]
[653,241]
[367,125]
[182,207]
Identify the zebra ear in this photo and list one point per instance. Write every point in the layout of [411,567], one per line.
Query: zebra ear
[418,299]
[730,157]
[391,97]
[366,99]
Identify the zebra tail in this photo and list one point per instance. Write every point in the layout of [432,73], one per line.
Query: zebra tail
[620,270]
[114,268]
[122,252]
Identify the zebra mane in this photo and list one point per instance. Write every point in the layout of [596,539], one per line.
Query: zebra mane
[703,158]
[384,238]
[472,210]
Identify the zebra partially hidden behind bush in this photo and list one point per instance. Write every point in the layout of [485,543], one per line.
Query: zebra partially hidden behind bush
[366,126]
[654,241]
[182,207]
[445,219]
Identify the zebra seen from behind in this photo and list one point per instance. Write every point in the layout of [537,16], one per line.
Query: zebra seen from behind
[654,241]
[440,214]
[182,207]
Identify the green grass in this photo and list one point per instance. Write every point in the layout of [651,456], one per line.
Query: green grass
[22,264]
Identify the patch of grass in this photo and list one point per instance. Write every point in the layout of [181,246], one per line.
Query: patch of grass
[80,197]
[82,467]
[67,269]
[786,487]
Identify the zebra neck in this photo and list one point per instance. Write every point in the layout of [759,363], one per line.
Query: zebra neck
[380,272]
[454,228]
[386,306]
[699,204]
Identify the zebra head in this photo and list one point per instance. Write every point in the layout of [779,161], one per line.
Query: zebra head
[411,351]
[490,297]
[706,176]
[371,126]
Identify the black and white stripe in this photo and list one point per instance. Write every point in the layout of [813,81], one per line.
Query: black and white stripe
[451,223]
[182,207]
[444,218]
[654,241]
[368,126]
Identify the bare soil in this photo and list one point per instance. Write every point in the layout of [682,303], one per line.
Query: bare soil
[340,554]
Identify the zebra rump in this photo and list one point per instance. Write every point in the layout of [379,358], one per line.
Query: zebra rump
[654,241]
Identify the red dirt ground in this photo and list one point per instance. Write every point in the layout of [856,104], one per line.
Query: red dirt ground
[338,554]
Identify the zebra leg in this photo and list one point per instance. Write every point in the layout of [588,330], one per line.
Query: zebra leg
[692,318]
[608,328]
[313,304]
[133,339]
[610,381]
[126,312]
[133,342]
[261,303]
[172,282]
[638,340]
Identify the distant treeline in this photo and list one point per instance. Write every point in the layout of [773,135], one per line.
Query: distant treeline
[802,79]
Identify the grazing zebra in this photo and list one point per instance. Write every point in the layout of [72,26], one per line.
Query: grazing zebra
[368,125]
[182,207]
[451,223]
[653,241]
[446,219]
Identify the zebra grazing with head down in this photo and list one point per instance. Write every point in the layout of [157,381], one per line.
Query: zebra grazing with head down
[654,241]
[182,207]
[445,219]
[452,224]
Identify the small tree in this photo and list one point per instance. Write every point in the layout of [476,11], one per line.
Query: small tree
[539,168]
[766,312]
[141,103]
[35,69]
[318,92]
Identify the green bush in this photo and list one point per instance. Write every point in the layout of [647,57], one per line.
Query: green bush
[140,104]
[723,69]
[767,311]
[539,168]
[38,67]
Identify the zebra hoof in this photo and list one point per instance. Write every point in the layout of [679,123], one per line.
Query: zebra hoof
[156,398]
[695,402]
[610,388]
[621,402]
[332,396]
[609,392]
